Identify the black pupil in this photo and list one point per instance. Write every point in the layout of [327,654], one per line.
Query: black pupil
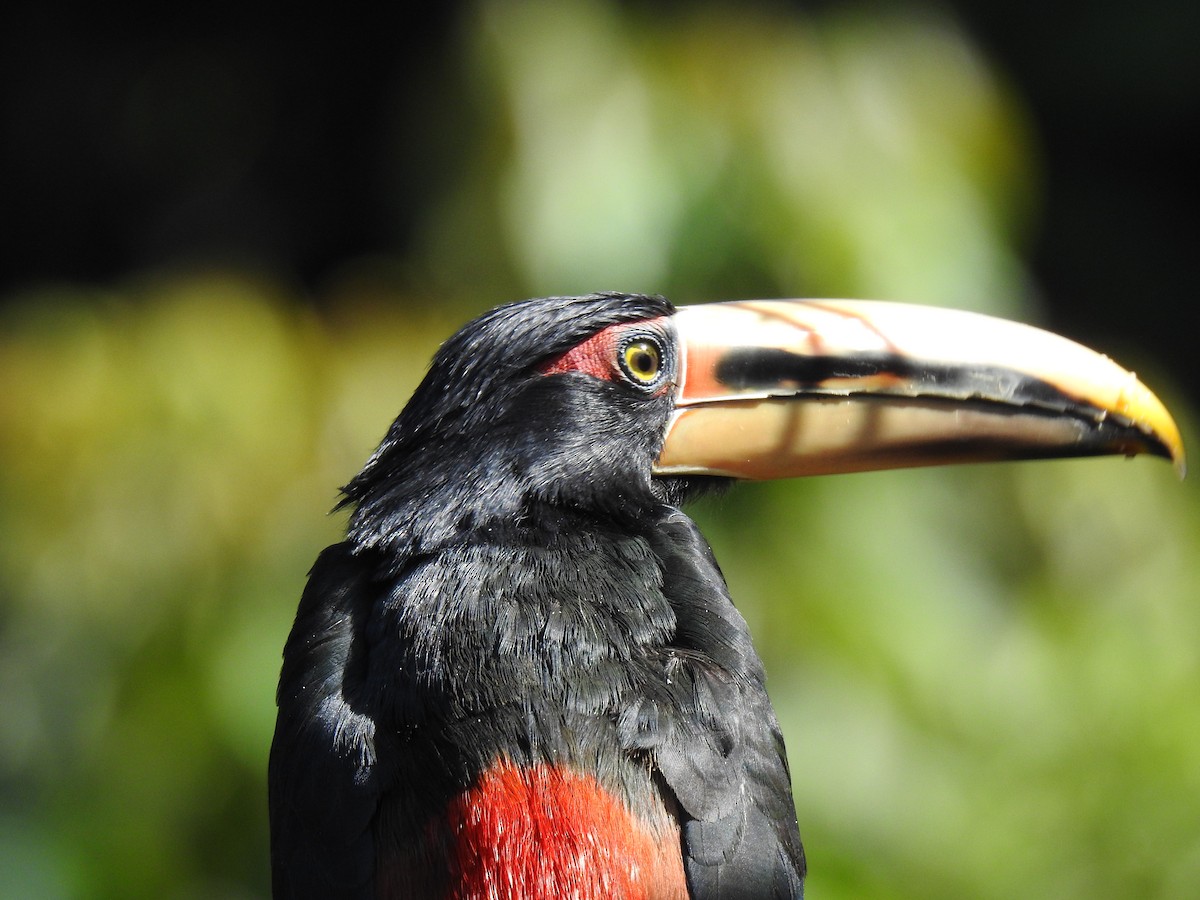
[644,361]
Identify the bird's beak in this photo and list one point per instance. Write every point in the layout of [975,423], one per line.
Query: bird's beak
[774,389]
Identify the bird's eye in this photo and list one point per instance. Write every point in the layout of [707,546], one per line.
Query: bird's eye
[641,360]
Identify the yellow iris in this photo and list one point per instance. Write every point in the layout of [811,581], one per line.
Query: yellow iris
[643,360]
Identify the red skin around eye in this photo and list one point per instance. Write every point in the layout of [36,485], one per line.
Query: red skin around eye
[597,356]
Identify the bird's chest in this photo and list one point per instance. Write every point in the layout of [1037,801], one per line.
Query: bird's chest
[486,625]
[537,832]
[512,779]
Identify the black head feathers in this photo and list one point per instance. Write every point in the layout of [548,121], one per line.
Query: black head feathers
[489,434]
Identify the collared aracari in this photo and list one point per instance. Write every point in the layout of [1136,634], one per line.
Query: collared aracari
[522,676]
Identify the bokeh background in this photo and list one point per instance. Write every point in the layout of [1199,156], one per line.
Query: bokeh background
[230,239]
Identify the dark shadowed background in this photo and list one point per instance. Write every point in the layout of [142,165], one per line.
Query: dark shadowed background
[231,238]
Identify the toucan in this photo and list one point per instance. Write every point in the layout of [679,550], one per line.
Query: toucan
[521,675]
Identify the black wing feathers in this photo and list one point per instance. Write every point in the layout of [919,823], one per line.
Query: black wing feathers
[323,778]
[723,757]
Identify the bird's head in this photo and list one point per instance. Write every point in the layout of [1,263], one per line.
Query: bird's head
[608,403]
[561,401]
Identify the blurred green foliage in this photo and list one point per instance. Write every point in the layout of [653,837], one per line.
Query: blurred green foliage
[988,677]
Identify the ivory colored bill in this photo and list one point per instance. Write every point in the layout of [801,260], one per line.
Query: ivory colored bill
[778,388]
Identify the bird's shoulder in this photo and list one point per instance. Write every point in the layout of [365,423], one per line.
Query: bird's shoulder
[324,780]
[714,735]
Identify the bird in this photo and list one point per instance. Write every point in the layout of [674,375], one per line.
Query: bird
[522,675]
